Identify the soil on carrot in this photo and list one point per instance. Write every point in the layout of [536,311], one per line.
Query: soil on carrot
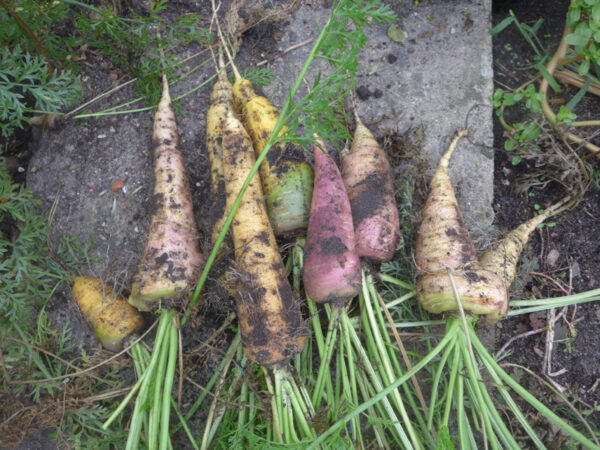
[563,256]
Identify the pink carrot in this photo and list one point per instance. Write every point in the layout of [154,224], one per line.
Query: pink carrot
[331,264]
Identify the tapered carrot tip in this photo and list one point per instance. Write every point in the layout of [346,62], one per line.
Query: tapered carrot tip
[363,136]
[443,239]
[503,257]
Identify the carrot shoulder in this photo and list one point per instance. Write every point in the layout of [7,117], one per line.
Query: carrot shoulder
[286,177]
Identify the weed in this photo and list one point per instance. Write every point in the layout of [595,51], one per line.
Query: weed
[131,43]
[27,85]
[261,76]
[28,273]
[575,61]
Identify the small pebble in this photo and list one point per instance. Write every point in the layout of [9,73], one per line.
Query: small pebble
[575,269]
[552,257]
[363,93]
[117,185]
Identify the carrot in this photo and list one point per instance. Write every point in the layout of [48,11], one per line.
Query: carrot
[270,321]
[502,258]
[287,179]
[443,239]
[367,176]
[331,265]
[171,258]
[457,281]
[109,314]
[443,244]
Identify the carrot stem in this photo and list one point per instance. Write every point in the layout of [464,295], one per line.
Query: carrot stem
[387,373]
[381,394]
[168,386]
[155,405]
[526,395]
[436,382]
[324,370]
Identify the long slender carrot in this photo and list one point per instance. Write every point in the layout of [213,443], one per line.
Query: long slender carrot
[270,321]
[215,123]
[171,259]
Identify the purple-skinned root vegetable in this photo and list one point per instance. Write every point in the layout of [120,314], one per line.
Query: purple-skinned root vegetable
[367,176]
[331,264]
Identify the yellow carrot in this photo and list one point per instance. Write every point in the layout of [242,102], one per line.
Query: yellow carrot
[270,321]
[109,314]
[502,258]
[443,239]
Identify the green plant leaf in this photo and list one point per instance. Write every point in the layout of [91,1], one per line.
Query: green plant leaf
[444,439]
[584,67]
[577,40]
[516,160]
[531,132]
[502,25]
[573,15]
[577,97]
[549,78]
[596,12]
[509,145]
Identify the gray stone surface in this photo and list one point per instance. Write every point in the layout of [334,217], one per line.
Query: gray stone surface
[440,79]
